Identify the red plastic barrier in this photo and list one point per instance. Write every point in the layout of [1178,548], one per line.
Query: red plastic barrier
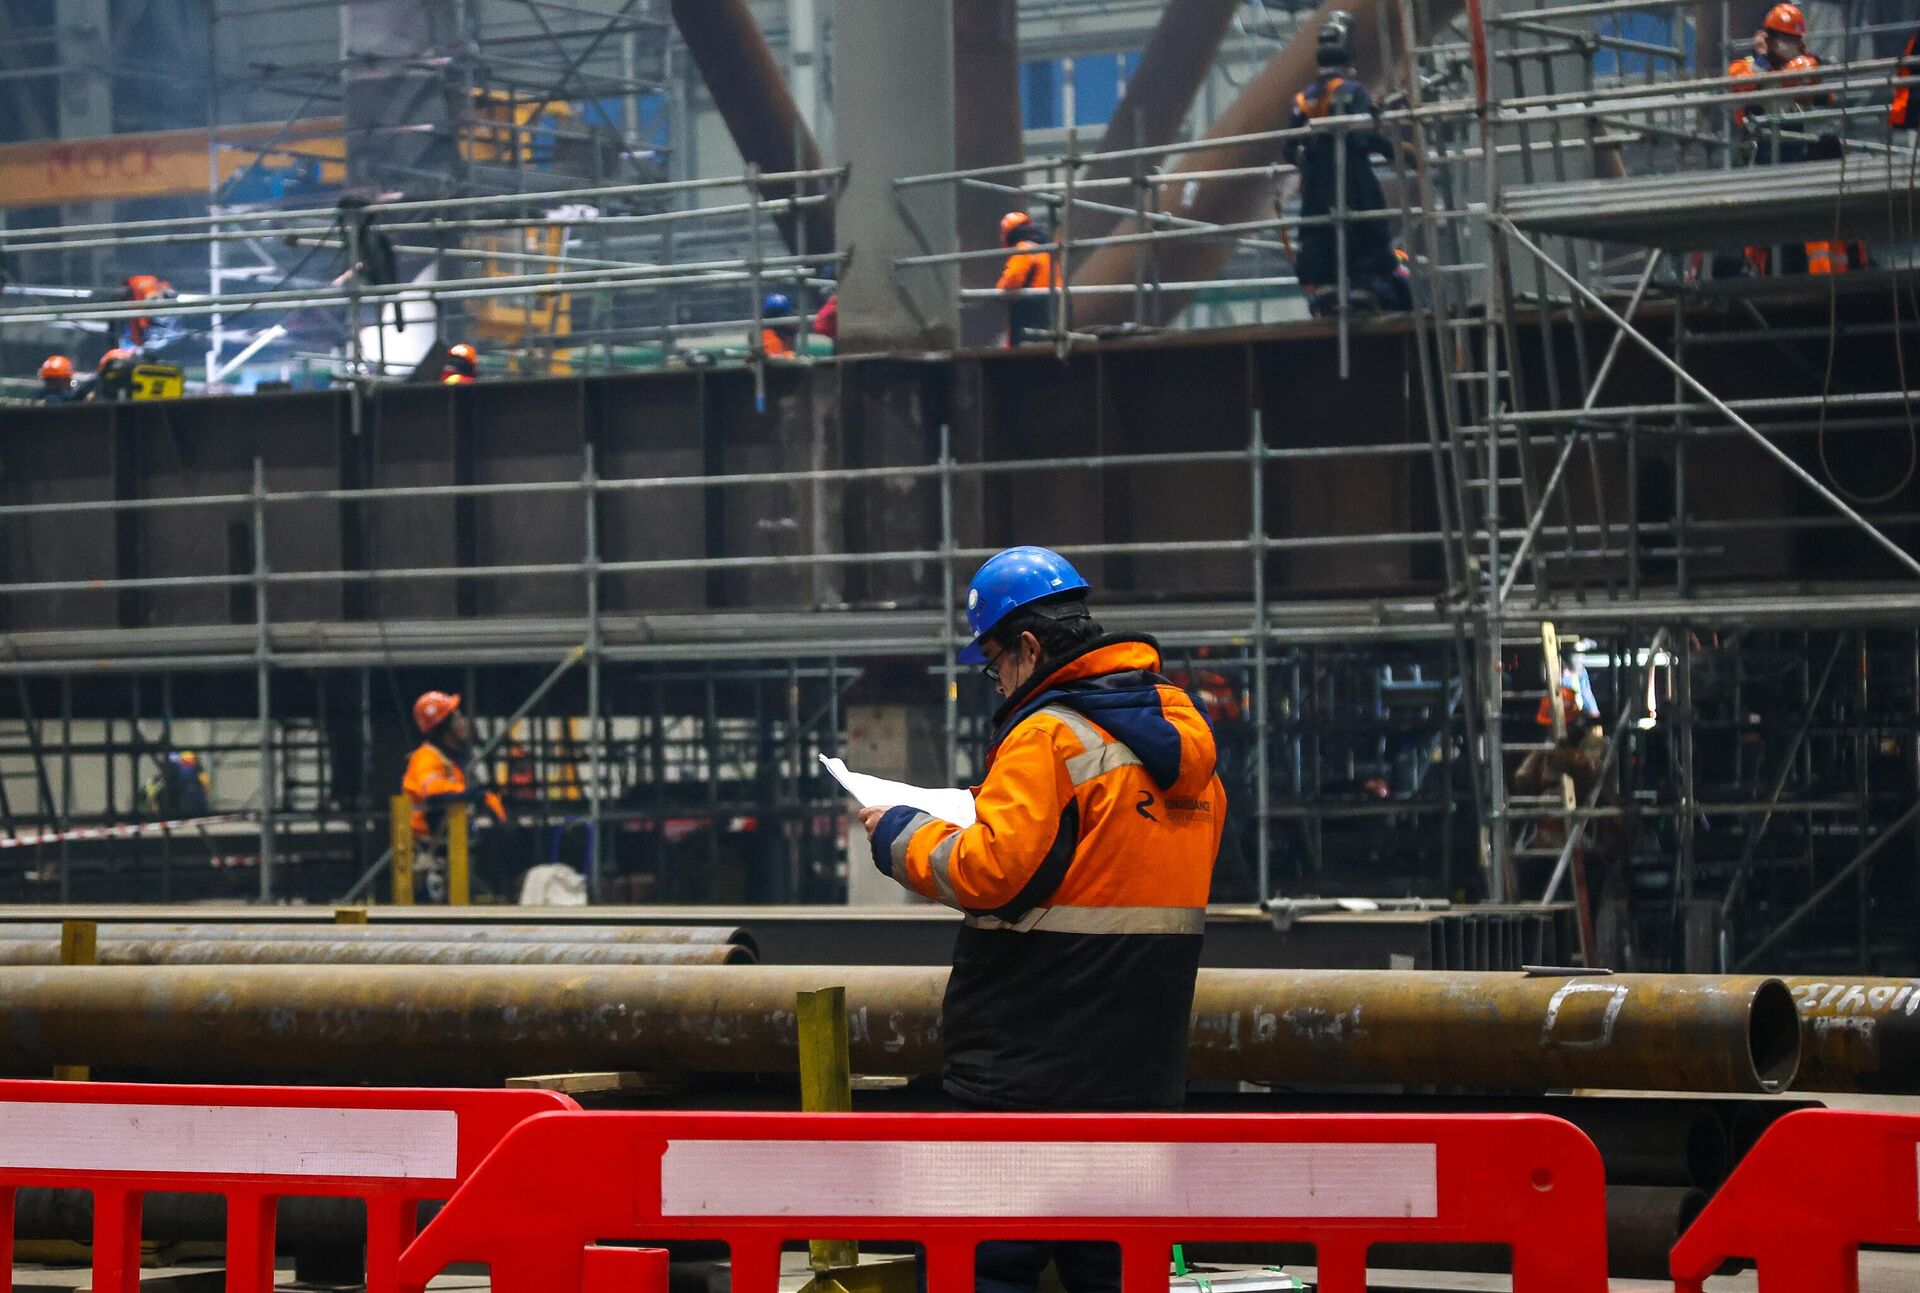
[557,1185]
[392,1148]
[1819,1183]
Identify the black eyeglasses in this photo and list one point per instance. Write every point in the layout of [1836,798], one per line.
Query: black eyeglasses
[991,669]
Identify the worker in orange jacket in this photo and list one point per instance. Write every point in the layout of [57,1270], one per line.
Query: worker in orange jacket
[435,777]
[56,381]
[1029,318]
[462,365]
[1903,114]
[780,326]
[1083,882]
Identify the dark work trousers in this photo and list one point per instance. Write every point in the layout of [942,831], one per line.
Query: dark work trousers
[1014,1266]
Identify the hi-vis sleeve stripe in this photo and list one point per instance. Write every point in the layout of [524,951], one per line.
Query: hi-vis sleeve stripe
[940,861]
[897,855]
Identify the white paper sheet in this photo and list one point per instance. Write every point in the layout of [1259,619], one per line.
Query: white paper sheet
[948,803]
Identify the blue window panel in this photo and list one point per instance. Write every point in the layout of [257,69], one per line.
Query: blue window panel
[611,112]
[1650,28]
[1042,94]
[1099,83]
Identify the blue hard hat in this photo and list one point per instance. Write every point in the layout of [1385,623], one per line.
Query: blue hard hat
[777,303]
[1009,580]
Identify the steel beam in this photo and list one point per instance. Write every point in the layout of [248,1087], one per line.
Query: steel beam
[1161,91]
[752,96]
[1263,106]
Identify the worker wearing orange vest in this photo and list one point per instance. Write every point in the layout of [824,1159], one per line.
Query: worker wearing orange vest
[143,287]
[462,366]
[434,777]
[1339,92]
[1903,115]
[1082,883]
[56,380]
[1781,46]
[780,326]
[1030,268]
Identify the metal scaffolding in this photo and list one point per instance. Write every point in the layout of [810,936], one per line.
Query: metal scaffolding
[1739,755]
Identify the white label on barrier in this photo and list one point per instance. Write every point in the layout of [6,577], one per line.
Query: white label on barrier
[893,1178]
[404,1144]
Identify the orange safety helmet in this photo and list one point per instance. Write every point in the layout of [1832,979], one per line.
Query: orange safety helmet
[461,350]
[432,709]
[1012,223]
[111,355]
[56,368]
[1786,20]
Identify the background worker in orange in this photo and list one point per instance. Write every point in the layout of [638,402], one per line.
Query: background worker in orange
[462,366]
[1773,135]
[1083,882]
[1029,318]
[56,381]
[780,326]
[435,777]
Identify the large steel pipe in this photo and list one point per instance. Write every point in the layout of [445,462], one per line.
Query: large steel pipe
[1641,1031]
[478,1023]
[1858,1034]
[1263,106]
[375,951]
[395,933]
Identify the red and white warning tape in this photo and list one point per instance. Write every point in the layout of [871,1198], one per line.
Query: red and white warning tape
[115,832]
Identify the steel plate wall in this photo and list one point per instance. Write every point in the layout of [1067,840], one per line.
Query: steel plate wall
[649,427]
[184,448]
[61,455]
[526,431]
[412,441]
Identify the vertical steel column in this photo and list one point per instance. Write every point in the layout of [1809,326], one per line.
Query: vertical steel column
[894,99]
[262,649]
[1342,280]
[66,778]
[1262,792]
[596,742]
[757,330]
[949,598]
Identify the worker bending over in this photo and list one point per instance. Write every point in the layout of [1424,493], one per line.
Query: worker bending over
[1030,268]
[1374,277]
[56,381]
[435,779]
[1083,882]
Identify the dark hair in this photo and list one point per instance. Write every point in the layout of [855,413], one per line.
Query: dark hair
[1059,627]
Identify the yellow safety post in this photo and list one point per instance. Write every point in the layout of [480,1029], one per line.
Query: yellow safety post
[458,892]
[349,915]
[402,837]
[79,945]
[826,1086]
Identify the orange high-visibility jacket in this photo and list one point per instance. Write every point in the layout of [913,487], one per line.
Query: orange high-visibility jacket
[432,780]
[1026,268]
[1084,883]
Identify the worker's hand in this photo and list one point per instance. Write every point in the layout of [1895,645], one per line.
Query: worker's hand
[497,808]
[870,818]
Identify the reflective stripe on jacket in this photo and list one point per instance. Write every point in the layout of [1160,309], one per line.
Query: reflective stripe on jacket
[1084,882]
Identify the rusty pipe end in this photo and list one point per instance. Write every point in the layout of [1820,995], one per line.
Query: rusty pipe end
[1773,1037]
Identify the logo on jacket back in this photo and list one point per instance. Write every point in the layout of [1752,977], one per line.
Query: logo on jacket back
[1146,802]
